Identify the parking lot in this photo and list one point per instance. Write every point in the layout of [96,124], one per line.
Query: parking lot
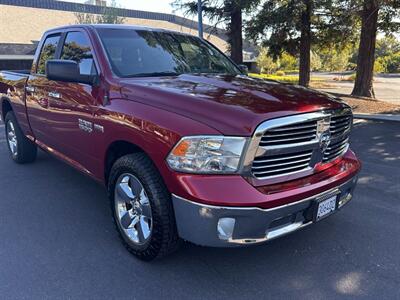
[58,241]
[386,86]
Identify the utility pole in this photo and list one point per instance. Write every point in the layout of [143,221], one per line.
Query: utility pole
[200,16]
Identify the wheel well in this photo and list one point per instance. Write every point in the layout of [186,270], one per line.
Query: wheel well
[5,108]
[115,151]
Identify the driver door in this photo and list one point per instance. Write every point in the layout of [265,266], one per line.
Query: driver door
[71,105]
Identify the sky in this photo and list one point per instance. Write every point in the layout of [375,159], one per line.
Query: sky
[163,6]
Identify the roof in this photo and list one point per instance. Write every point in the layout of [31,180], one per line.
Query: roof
[16,57]
[17,49]
[117,26]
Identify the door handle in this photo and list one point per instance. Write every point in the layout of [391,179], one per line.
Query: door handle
[54,95]
[30,89]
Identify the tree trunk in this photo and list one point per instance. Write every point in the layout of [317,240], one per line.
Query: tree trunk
[366,52]
[305,44]
[235,33]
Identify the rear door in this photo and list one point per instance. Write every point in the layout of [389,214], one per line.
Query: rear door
[37,89]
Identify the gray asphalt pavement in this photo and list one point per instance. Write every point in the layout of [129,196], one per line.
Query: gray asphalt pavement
[57,241]
[386,87]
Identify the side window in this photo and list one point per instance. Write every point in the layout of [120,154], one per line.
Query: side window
[48,52]
[77,47]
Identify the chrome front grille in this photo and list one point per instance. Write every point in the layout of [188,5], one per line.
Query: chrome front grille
[290,134]
[282,163]
[290,147]
[336,149]
[340,124]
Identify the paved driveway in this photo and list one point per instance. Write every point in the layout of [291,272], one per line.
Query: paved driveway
[57,241]
[386,87]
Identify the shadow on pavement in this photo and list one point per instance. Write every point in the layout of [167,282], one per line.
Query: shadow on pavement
[58,241]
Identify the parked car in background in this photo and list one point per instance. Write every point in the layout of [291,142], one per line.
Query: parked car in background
[188,146]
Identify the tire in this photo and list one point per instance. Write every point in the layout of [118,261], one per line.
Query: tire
[21,149]
[146,224]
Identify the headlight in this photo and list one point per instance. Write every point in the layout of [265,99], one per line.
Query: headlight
[207,154]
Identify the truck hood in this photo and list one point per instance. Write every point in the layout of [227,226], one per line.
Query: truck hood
[234,105]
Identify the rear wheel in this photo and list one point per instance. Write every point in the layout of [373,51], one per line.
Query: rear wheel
[21,149]
[141,207]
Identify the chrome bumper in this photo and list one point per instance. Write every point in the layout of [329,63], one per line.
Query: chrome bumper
[218,226]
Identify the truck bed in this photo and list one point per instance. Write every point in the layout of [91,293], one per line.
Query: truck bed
[12,87]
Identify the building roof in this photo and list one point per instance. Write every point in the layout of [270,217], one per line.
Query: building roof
[17,49]
[23,49]
[122,12]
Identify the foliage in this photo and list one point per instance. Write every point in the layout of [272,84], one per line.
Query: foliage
[332,59]
[280,73]
[285,62]
[288,62]
[387,45]
[265,62]
[316,62]
[108,15]
[389,63]
[217,11]
[227,12]
[295,26]
[380,66]
[387,55]
[335,59]
[277,25]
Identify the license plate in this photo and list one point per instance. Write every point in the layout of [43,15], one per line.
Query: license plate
[326,207]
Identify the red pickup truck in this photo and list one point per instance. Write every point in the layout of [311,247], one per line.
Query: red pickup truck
[188,146]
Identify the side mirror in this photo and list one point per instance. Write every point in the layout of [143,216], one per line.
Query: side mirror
[244,69]
[67,70]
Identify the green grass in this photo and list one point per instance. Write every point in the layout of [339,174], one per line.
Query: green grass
[294,79]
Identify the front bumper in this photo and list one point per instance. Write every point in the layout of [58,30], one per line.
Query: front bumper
[219,226]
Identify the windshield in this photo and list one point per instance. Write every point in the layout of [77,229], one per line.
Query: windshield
[136,53]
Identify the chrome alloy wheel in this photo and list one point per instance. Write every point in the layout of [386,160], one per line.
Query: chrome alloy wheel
[12,138]
[132,208]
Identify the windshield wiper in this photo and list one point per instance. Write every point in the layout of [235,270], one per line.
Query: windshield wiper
[154,74]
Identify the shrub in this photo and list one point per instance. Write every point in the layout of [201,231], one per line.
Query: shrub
[296,71]
[265,62]
[280,73]
[379,66]
[288,62]
[393,63]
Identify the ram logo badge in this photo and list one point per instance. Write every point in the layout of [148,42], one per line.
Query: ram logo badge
[324,134]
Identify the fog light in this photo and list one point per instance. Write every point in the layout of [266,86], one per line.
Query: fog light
[345,199]
[225,228]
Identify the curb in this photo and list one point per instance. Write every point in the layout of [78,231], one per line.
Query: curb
[378,117]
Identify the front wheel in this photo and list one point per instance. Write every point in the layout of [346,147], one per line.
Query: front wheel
[141,207]
[21,149]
